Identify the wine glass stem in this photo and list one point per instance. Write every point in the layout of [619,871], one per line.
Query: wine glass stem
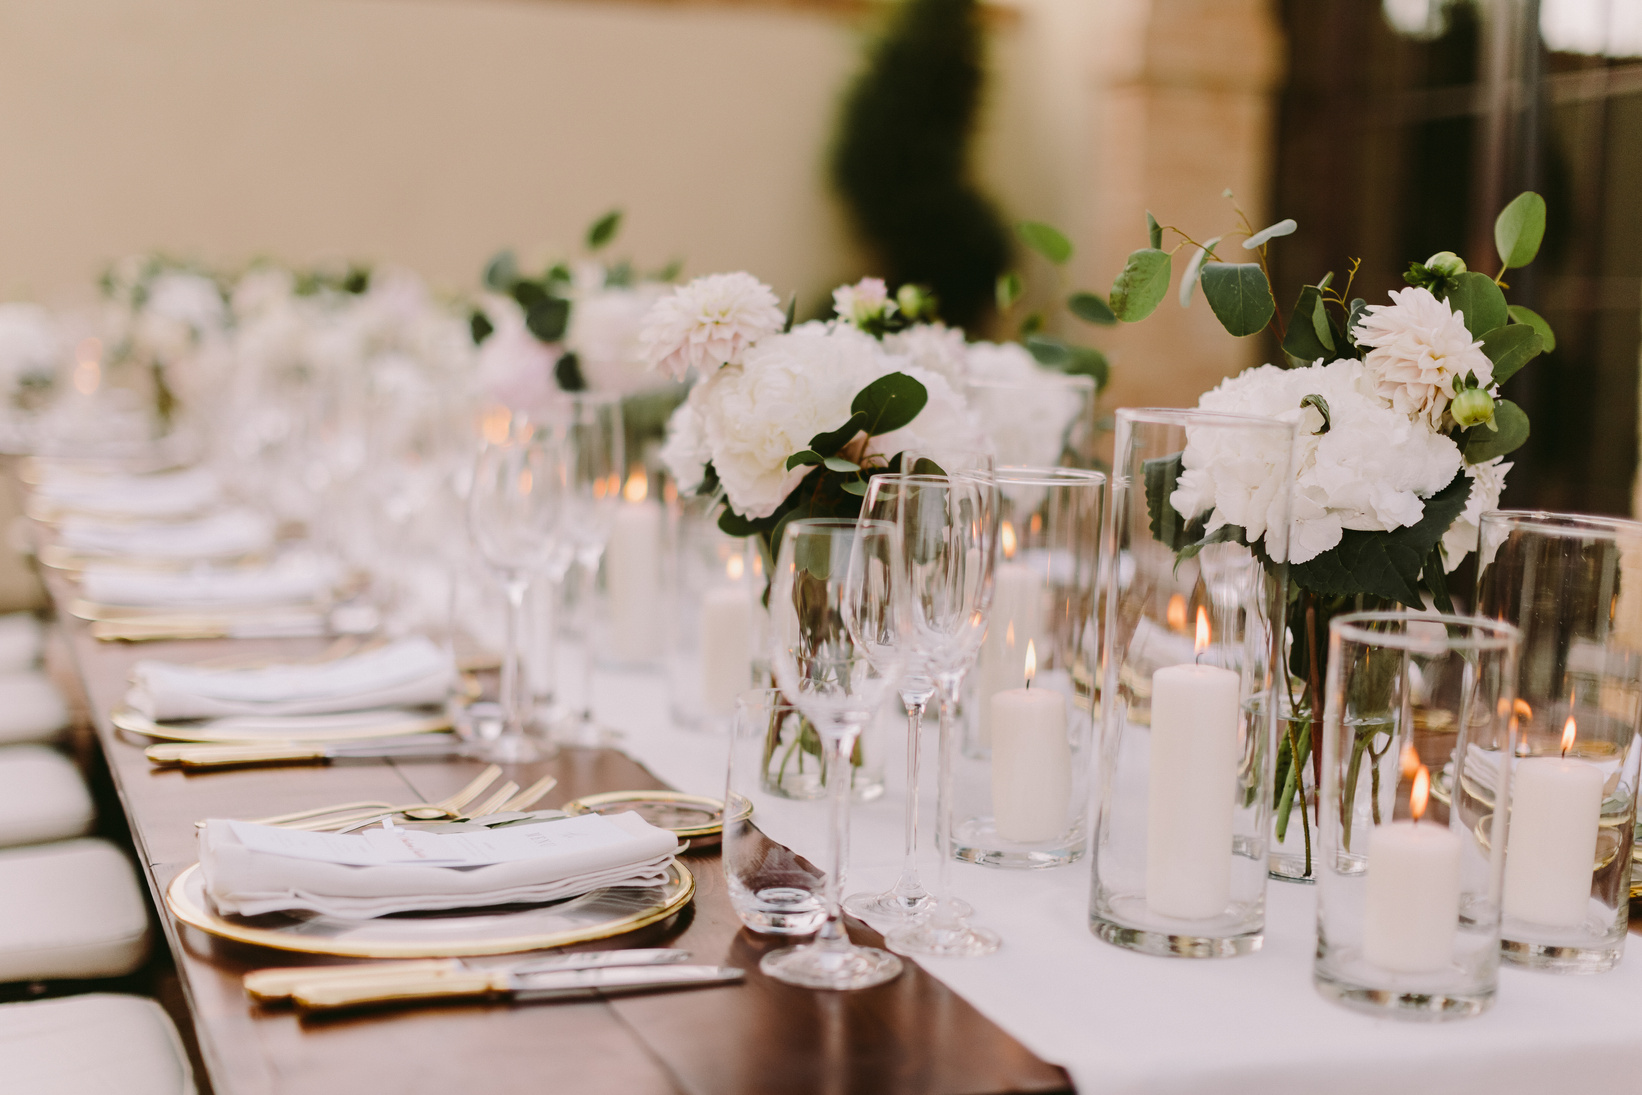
[840,747]
[909,888]
[944,915]
[513,708]
[585,613]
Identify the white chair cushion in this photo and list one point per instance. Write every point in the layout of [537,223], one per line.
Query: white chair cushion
[42,796]
[70,910]
[21,637]
[31,708]
[97,1044]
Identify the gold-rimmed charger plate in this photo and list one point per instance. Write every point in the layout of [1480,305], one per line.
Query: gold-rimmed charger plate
[599,914]
[696,818]
[58,557]
[263,730]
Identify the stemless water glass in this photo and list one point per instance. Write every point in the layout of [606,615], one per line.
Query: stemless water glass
[952,525]
[513,507]
[1408,901]
[837,615]
[1573,585]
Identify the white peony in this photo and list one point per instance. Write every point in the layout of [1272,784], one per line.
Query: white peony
[1027,409]
[685,452]
[944,431]
[934,347]
[708,323]
[1421,351]
[1370,470]
[1487,483]
[862,302]
[789,388]
[604,333]
[516,367]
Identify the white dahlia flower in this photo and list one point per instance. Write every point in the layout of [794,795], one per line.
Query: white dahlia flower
[1421,350]
[710,322]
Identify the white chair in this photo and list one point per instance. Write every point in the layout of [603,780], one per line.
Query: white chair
[70,910]
[42,796]
[98,1044]
[31,707]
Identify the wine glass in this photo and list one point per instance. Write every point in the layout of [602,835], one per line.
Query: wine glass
[594,474]
[953,526]
[837,615]
[908,502]
[514,505]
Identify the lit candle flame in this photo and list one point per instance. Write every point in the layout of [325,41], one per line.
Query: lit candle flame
[638,486]
[1006,538]
[1410,761]
[1031,661]
[1177,613]
[734,568]
[1009,635]
[88,370]
[496,425]
[1421,792]
[1202,643]
[1569,730]
[1523,711]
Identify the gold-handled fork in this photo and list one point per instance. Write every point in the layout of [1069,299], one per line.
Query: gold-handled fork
[496,804]
[350,812]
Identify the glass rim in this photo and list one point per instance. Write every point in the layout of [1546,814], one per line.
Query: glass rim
[1185,416]
[1063,380]
[1030,475]
[1484,635]
[834,524]
[1554,523]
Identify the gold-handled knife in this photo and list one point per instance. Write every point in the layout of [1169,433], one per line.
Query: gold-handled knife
[187,754]
[279,982]
[517,987]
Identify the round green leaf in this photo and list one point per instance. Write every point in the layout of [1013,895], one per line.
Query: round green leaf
[1240,296]
[1510,348]
[1008,290]
[1046,240]
[1519,228]
[603,230]
[1479,298]
[1091,309]
[502,271]
[1048,351]
[1481,444]
[1141,286]
[889,403]
[1547,337]
[1154,231]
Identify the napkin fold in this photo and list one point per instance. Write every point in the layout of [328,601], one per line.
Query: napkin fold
[165,494]
[218,535]
[296,580]
[405,673]
[247,881]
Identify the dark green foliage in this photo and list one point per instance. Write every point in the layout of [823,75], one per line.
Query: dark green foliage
[900,162]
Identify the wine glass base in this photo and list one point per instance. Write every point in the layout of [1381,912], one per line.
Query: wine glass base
[927,939]
[817,967]
[890,906]
[513,749]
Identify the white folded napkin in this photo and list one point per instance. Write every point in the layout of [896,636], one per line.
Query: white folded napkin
[219,535]
[295,580]
[255,869]
[404,673]
[167,494]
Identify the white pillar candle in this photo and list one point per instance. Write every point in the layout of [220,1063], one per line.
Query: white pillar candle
[1031,764]
[1191,794]
[1016,620]
[726,646]
[633,575]
[1556,807]
[1412,905]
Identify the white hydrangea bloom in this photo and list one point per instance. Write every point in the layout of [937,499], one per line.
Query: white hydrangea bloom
[1370,471]
[709,323]
[1487,483]
[1025,408]
[944,430]
[934,347]
[604,333]
[1421,350]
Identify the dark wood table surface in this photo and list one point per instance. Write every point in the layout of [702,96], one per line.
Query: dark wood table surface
[912,1035]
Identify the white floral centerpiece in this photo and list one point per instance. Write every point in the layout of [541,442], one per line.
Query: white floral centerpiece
[1401,444]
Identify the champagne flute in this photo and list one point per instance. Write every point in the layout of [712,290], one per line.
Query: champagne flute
[954,526]
[837,645]
[514,505]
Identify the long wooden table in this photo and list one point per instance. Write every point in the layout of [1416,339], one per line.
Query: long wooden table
[912,1035]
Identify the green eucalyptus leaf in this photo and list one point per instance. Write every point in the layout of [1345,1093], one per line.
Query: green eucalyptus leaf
[804,457]
[1240,296]
[828,444]
[732,523]
[1510,348]
[548,318]
[1090,362]
[480,327]
[1168,527]
[1048,351]
[792,312]
[925,466]
[1385,564]
[1481,444]
[1480,300]
[1315,400]
[1354,315]
[669,272]
[839,464]
[1519,229]
[603,230]
[502,271]
[567,373]
[1032,324]
[1141,286]
[1547,337]
[855,486]
[1285,227]
[889,403]
[1154,231]
[1309,334]
[1045,239]
[1008,290]
[1194,269]
[1436,580]
[1091,309]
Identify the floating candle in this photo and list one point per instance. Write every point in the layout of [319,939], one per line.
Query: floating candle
[1556,809]
[1412,905]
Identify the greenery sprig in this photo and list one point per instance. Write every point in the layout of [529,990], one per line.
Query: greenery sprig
[1049,350]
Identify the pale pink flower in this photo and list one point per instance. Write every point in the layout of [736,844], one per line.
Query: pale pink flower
[1421,350]
[709,323]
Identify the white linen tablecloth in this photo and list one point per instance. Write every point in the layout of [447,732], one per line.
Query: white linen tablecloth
[1124,1023]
